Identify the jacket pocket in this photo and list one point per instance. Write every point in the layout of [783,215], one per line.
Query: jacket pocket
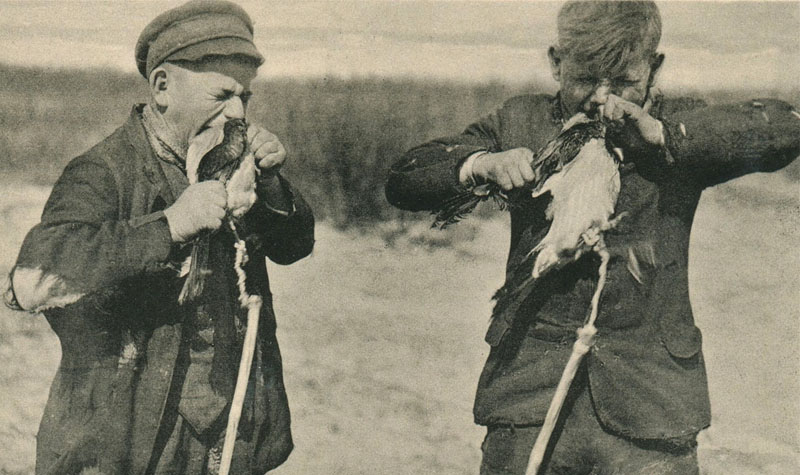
[679,334]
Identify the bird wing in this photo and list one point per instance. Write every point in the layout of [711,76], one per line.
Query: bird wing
[561,151]
[548,161]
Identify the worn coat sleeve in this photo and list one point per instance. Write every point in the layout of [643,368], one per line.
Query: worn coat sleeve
[428,174]
[717,143]
[283,236]
[82,245]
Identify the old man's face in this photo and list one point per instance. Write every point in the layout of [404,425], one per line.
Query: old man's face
[583,88]
[207,93]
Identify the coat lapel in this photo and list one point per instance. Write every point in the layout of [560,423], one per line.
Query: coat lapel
[164,345]
[152,168]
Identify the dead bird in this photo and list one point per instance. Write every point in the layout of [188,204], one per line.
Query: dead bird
[580,171]
[231,162]
[584,189]
[548,161]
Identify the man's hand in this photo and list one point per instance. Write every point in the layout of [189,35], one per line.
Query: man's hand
[267,149]
[509,169]
[641,130]
[200,207]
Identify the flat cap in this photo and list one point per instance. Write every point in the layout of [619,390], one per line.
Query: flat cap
[193,30]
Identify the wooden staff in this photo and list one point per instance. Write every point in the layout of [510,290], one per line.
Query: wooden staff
[582,346]
[253,305]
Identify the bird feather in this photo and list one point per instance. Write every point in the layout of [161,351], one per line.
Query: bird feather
[547,161]
[221,162]
[581,175]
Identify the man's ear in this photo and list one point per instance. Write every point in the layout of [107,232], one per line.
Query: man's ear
[159,85]
[655,66]
[555,63]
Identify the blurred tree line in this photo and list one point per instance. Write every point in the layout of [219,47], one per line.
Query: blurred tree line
[342,134]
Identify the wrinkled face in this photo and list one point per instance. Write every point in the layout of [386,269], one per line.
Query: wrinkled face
[583,87]
[204,94]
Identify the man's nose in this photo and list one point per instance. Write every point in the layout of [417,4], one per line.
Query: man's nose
[601,92]
[599,96]
[234,108]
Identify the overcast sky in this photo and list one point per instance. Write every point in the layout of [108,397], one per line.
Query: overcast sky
[708,44]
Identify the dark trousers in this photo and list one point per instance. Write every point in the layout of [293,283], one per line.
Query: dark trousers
[580,446]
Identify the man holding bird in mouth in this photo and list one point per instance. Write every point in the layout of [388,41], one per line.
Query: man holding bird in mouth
[145,381]
[639,397]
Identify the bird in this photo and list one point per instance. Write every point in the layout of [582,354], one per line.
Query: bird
[584,187]
[231,162]
[579,170]
[549,160]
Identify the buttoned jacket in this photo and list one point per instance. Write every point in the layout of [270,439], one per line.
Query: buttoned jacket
[646,372]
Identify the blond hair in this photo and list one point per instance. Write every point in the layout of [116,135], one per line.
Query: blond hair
[608,35]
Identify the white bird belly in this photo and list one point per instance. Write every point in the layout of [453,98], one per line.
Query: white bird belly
[241,187]
[584,195]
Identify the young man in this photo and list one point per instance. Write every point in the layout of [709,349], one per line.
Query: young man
[145,384]
[640,397]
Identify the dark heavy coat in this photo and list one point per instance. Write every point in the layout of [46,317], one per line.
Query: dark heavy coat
[646,370]
[124,343]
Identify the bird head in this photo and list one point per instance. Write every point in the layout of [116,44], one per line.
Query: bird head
[235,133]
[214,147]
[580,128]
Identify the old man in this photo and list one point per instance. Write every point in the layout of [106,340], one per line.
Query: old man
[145,383]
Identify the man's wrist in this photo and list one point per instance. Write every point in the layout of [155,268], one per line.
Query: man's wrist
[466,175]
[172,223]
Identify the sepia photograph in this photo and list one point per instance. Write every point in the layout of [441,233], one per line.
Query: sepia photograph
[399,237]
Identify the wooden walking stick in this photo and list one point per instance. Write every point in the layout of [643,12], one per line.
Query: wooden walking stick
[582,346]
[253,305]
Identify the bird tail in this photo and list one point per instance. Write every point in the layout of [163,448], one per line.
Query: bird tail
[508,300]
[198,270]
[458,207]
[519,283]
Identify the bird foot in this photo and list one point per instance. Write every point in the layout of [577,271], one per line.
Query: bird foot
[591,236]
